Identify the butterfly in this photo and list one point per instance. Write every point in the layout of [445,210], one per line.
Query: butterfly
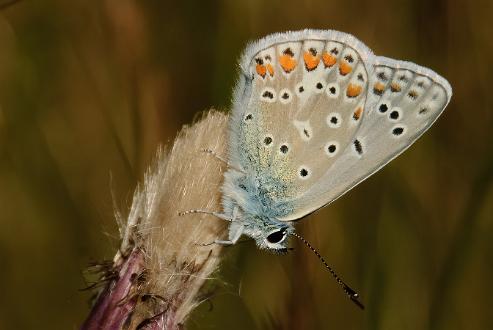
[314,113]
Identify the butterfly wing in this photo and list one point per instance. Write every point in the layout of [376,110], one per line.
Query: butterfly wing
[403,102]
[310,122]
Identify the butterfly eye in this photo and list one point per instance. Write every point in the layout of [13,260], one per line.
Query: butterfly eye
[276,236]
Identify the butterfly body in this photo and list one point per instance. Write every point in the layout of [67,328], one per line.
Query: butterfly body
[248,202]
[315,113]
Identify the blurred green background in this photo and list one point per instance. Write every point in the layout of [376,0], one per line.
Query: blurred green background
[88,89]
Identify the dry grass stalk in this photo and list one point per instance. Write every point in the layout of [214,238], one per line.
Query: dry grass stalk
[161,262]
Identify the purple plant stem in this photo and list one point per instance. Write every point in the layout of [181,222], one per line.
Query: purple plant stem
[114,306]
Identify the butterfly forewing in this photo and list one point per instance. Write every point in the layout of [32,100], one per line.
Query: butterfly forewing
[306,102]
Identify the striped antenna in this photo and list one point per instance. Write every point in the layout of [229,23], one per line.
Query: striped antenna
[353,295]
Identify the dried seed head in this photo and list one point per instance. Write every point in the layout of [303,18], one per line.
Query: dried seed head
[176,265]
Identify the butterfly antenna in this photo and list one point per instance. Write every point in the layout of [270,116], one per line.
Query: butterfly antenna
[353,295]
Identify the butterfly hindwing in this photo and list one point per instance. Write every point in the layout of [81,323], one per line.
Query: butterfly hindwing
[403,102]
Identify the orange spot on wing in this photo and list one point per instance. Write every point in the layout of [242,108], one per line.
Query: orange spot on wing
[261,70]
[378,88]
[345,68]
[270,69]
[287,62]
[395,87]
[357,113]
[328,59]
[353,90]
[311,61]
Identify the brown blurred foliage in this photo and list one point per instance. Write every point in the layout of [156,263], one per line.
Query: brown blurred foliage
[88,89]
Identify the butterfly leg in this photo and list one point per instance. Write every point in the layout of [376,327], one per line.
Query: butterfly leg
[216,214]
[215,155]
[236,229]
[233,238]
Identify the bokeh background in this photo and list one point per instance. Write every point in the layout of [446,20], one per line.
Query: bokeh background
[89,89]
